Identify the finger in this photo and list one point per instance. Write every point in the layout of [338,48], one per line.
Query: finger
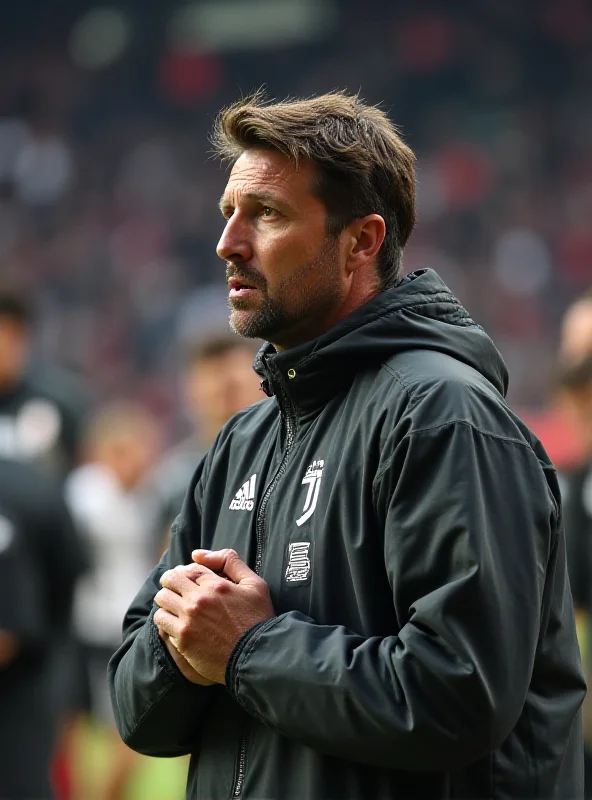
[226,561]
[170,601]
[195,571]
[180,580]
[167,622]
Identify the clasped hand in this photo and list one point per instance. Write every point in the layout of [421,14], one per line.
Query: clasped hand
[205,607]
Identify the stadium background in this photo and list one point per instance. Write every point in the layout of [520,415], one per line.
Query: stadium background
[108,197]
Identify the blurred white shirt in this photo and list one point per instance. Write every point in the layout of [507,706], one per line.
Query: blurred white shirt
[117,525]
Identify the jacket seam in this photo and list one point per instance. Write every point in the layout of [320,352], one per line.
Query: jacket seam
[146,713]
[449,423]
[397,377]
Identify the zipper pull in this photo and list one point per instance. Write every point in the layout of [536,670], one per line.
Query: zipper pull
[266,387]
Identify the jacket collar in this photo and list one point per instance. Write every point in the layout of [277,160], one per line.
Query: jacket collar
[419,313]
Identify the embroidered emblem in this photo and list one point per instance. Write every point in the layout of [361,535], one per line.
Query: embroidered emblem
[298,567]
[313,478]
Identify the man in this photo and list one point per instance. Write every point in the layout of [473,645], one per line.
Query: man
[218,381]
[574,395]
[41,408]
[378,604]
[114,512]
[40,560]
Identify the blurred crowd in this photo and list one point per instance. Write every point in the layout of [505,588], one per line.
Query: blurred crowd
[108,196]
[116,371]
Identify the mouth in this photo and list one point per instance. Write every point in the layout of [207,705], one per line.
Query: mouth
[241,288]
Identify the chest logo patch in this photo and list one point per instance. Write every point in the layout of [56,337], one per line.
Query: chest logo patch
[313,477]
[244,499]
[298,567]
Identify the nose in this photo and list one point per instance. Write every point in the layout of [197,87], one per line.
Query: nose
[234,244]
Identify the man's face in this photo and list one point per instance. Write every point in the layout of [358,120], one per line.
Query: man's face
[576,333]
[220,386]
[285,273]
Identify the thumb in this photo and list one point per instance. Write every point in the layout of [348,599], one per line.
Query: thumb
[226,561]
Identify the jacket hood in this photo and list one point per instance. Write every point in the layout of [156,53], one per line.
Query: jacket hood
[420,313]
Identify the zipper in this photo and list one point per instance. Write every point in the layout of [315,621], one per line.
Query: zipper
[290,419]
[240,777]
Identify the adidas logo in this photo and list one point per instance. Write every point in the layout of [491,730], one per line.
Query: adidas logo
[244,498]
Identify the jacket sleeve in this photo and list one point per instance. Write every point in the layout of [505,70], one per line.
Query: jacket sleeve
[469,523]
[22,607]
[157,710]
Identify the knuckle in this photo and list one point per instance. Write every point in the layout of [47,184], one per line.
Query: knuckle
[165,577]
[184,632]
[195,605]
[220,587]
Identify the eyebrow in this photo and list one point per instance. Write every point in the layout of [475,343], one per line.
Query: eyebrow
[260,197]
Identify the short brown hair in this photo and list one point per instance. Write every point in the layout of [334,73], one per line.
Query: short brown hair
[364,167]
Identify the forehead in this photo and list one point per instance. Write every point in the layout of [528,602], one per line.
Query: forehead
[269,171]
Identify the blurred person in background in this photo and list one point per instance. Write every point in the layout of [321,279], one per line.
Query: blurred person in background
[42,407]
[574,394]
[42,413]
[113,509]
[218,380]
[574,397]
[40,560]
[576,330]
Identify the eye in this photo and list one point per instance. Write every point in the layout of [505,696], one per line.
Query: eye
[267,212]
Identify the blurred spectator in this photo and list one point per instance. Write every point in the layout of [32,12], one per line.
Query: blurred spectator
[574,397]
[574,389]
[40,560]
[576,329]
[107,196]
[113,510]
[219,381]
[41,407]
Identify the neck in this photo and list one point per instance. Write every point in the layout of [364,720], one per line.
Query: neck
[310,329]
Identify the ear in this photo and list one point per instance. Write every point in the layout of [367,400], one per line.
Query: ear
[365,236]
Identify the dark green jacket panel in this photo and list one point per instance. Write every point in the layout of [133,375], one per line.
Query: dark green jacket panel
[449,686]
[408,526]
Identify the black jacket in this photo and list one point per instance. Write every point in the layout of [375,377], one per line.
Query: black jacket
[576,489]
[40,560]
[42,418]
[409,528]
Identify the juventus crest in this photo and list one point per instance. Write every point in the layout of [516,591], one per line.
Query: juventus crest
[312,479]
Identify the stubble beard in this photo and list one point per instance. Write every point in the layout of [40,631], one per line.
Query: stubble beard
[311,290]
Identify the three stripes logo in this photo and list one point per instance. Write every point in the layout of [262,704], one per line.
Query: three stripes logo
[244,499]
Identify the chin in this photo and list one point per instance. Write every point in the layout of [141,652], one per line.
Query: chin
[244,323]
